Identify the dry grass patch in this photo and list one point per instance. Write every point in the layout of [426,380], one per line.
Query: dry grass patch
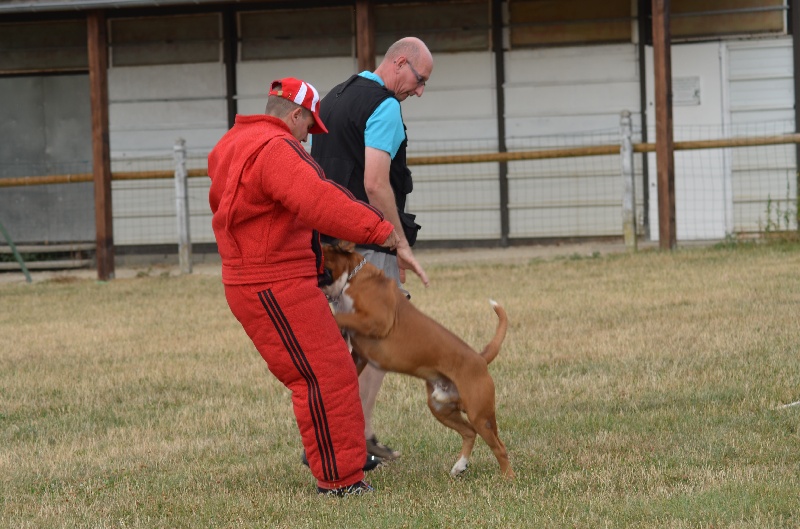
[633,390]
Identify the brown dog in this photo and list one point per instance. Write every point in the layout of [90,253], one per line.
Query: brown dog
[386,330]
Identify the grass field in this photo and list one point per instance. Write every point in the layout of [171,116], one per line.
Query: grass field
[633,390]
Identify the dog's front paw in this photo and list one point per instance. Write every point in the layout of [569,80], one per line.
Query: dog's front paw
[460,467]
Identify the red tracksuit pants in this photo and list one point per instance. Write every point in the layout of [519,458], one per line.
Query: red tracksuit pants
[292,327]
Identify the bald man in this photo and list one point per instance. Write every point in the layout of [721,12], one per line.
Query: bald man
[365,151]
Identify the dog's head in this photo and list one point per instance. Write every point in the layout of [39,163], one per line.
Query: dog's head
[339,259]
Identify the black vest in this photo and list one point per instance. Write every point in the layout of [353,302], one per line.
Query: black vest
[345,111]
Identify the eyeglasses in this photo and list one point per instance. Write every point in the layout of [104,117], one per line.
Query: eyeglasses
[420,80]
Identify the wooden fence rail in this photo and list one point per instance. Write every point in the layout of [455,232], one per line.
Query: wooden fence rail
[571,152]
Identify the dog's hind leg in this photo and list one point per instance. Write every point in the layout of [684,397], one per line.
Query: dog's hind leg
[444,406]
[487,429]
[480,411]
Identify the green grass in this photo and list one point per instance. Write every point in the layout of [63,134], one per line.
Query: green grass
[633,390]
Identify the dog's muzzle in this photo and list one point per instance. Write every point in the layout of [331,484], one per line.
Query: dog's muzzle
[325,279]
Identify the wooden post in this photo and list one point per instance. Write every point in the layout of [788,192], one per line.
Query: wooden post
[365,35]
[182,207]
[665,160]
[101,155]
[230,56]
[628,185]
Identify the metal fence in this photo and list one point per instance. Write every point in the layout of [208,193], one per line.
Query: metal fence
[581,185]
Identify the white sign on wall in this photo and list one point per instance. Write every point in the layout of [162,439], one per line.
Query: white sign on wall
[685,91]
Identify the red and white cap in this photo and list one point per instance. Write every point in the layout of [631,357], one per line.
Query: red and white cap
[303,94]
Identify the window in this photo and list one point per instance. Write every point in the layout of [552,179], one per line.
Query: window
[165,40]
[279,34]
[452,26]
[43,46]
[559,22]
[709,18]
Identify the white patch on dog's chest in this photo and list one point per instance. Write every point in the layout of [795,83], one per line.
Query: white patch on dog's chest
[444,392]
[345,302]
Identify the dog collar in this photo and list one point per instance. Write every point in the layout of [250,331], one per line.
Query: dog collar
[356,269]
[349,277]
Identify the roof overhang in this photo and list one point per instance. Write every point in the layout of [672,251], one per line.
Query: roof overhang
[40,6]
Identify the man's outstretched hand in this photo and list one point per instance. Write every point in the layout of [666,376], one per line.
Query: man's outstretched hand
[407,261]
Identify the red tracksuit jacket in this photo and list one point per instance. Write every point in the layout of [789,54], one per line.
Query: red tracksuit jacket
[268,196]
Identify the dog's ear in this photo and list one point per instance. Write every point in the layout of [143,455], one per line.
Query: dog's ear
[346,246]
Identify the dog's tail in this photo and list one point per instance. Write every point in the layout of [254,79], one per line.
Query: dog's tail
[492,348]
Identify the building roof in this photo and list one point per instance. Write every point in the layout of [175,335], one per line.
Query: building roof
[34,6]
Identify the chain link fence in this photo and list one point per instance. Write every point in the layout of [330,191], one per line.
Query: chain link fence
[740,182]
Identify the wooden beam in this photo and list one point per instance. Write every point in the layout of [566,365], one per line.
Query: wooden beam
[365,35]
[665,159]
[230,53]
[101,152]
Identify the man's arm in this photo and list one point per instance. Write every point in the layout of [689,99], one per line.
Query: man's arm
[380,195]
[379,190]
[290,177]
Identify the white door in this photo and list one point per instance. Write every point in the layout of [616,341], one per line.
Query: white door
[702,177]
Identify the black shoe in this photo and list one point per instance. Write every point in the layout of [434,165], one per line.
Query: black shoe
[362,487]
[371,463]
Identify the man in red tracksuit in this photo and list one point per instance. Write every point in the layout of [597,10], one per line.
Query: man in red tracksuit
[270,200]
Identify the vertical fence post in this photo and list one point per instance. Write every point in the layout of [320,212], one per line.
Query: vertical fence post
[794,14]
[499,83]
[628,185]
[98,44]
[182,207]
